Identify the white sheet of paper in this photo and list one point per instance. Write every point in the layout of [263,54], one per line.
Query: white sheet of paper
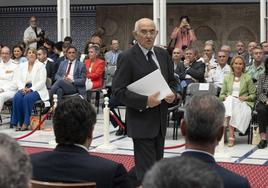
[151,84]
[204,86]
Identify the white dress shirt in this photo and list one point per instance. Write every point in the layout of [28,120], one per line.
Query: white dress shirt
[217,75]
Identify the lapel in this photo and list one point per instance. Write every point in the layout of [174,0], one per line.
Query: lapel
[65,66]
[141,59]
[230,83]
[24,72]
[35,70]
[242,83]
[75,68]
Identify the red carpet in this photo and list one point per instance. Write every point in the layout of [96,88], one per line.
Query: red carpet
[256,174]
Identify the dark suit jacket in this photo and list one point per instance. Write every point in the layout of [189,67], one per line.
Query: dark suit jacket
[196,70]
[132,65]
[74,164]
[50,70]
[230,179]
[57,64]
[79,75]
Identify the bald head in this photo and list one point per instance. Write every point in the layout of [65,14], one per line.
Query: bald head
[145,32]
[5,54]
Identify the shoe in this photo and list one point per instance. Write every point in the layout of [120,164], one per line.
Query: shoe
[231,142]
[24,127]
[18,128]
[45,110]
[119,132]
[262,144]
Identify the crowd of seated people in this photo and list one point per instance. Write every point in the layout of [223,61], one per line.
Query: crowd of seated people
[24,77]
[73,73]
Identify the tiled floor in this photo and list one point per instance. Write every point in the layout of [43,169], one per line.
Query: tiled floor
[240,153]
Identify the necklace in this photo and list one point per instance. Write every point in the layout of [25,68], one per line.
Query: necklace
[237,79]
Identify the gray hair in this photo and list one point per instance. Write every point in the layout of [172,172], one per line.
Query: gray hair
[181,172]
[137,23]
[95,49]
[15,166]
[204,116]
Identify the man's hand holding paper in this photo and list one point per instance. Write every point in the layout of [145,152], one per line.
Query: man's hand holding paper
[150,84]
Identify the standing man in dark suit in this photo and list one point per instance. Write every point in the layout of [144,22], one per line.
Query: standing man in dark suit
[70,77]
[73,124]
[146,116]
[203,128]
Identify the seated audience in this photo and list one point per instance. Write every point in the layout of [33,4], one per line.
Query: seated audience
[240,48]
[190,70]
[257,67]
[238,93]
[209,57]
[7,75]
[42,57]
[62,58]
[73,124]
[31,83]
[202,128]
[70,77]
[58,48]
[217,74]
[95,69]
[264,46]
[227,49]
[49,45]
[177,55]
[112,55]
[15,166]
[262,105]
[111,61]
[181,172]
[17,54]
[249,59]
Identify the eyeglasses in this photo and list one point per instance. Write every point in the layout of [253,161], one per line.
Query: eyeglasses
[146,33]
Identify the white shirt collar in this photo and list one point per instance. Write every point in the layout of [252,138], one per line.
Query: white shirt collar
[82,146]
[145,51]
[199,151]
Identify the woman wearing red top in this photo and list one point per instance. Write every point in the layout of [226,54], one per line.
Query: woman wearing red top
[183,34]
[95,69]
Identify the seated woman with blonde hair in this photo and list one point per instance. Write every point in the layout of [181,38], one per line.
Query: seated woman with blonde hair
[238,93]
[31,84]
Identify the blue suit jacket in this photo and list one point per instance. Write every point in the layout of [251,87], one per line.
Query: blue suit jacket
[74,164]
[79,75]
[230,179]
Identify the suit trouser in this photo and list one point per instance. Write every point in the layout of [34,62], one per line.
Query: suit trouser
[4,96]
[22,107]
[262,116]
[62,87]
[146,152]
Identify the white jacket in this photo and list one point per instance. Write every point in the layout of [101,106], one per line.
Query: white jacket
[39,76]
[7,74]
